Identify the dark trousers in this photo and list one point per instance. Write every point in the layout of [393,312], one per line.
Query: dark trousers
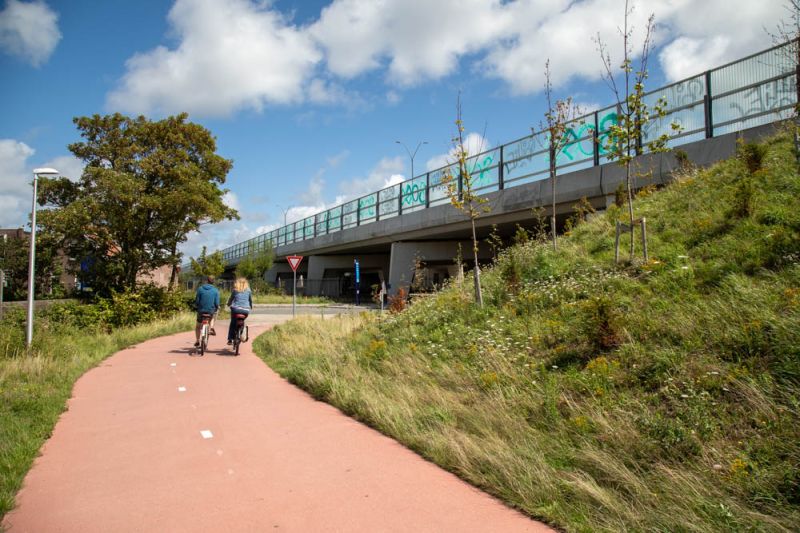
[232,327]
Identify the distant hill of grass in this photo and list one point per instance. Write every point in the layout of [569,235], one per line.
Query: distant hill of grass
[662,396]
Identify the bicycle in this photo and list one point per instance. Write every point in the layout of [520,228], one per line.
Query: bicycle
[206,321]
[241,331]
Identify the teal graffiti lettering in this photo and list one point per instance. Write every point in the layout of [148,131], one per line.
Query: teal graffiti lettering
[367,206]
[482,168]
[413,194]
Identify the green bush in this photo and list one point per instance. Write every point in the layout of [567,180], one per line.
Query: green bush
[121,309]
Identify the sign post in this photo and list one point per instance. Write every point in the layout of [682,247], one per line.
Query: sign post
[294,262]
[358,281]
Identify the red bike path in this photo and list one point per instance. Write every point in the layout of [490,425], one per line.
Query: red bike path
[157,440]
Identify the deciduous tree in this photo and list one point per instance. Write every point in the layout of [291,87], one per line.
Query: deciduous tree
[624,141]
[464,197]
[146,186]
[208,265]
[557,117]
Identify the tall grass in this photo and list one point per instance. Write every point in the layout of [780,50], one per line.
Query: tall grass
[648,397]
[35,386]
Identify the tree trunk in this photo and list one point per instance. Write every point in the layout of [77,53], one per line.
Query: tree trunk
[174,274]
[630,205]
[553,183]
[477,271]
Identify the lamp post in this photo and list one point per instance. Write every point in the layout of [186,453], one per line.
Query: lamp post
[285,211]
[410,155]
[32,256]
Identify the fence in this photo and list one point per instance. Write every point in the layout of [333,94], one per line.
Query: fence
[752,91]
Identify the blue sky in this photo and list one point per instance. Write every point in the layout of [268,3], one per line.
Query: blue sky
[308,98]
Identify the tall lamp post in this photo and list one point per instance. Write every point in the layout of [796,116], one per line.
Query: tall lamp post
[285,211]
[32,257]
[412,155]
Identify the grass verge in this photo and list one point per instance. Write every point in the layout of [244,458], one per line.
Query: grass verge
[658,396]
[34,388]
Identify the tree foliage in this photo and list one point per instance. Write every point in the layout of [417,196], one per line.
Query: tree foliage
[208,265]
[14,254]
[146,186]
[258,260]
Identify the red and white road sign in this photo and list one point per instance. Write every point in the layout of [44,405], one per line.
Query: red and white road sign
[294,261]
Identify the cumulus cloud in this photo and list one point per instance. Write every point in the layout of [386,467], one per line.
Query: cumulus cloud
[695,34]
[68,166]
[419,40]
[387,172]
[16,177]
[29,30]
[707,34]
[245,54]
[15,183]
[232,54]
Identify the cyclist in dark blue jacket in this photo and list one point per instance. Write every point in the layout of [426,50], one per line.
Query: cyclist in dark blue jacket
[207,302]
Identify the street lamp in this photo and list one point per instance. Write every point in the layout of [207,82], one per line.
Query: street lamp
[32,257]
[285,211]
[410,155]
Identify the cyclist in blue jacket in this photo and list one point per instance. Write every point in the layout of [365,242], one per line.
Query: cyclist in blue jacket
[206,301]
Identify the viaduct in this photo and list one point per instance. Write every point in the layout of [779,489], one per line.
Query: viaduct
[386,230]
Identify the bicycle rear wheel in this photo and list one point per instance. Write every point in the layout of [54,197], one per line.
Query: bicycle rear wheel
[237,340]
[204,340]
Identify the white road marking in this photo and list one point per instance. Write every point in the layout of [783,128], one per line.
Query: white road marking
[181,389]
[173,364]
[207,434]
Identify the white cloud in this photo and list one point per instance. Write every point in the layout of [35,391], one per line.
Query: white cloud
[16,177]
[231,200]
[15,183]
[419,40]
[474,143]
[699,34]
[29,30]
[245,54]
[232,54]
[387,172]
[68,166]
[710,33]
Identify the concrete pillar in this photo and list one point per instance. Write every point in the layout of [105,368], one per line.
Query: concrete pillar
[318,265]
[401,268]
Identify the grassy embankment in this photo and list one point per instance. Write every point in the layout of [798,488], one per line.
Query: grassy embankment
[34,387]
[654,397]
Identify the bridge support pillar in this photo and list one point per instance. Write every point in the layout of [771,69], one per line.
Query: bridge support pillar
[437,256]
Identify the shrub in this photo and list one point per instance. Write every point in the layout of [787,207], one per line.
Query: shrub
[602,324]
[398,302]
[751,155]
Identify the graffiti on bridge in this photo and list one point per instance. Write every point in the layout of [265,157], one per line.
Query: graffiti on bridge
[580,139]
[767,97]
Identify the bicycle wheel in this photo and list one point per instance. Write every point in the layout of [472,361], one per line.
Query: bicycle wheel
[204,339]
[237,340]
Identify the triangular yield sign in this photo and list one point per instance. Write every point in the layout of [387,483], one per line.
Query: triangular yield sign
[294,261]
